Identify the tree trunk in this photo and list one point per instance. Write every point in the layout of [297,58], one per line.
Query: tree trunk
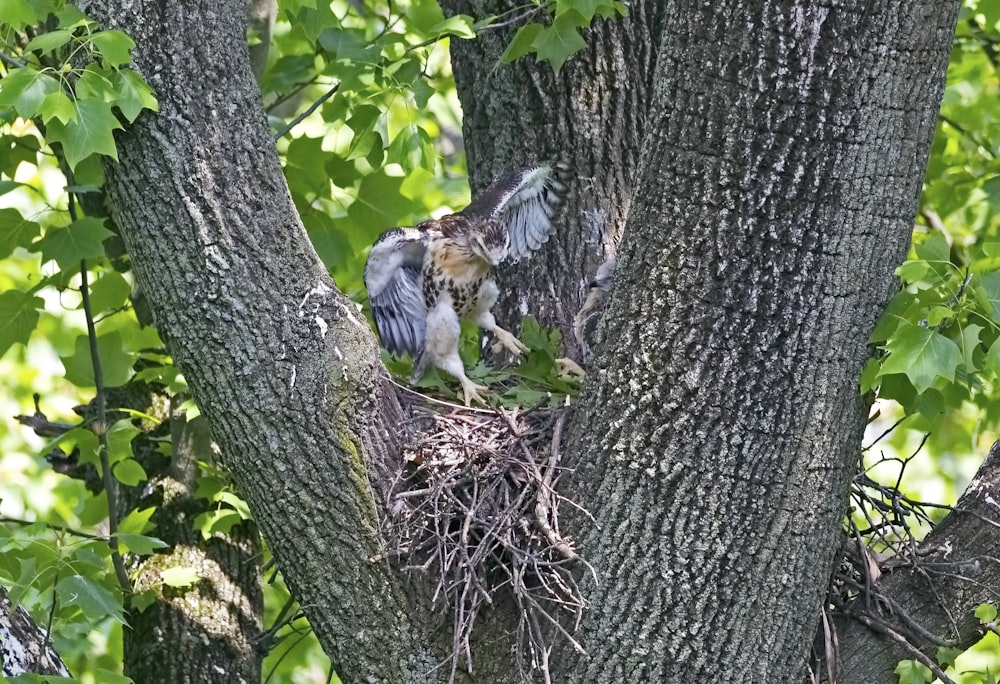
[209,632]
[283,366]
[722,420]
[934,595]
[24,645]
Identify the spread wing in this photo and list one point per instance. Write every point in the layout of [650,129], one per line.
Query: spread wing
[392,276]
[525,201]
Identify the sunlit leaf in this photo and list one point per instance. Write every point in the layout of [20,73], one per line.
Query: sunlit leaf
[556,43]
[139,543]
[129,472]
[91,133]
[49,41]
[115,46]
[180,576]
[134,94]
[18,317]
[25,89]
[137,521]
[913,672]
[922,355]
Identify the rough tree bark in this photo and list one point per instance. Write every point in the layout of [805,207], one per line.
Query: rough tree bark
[283,366]
[24,646]
[782,147]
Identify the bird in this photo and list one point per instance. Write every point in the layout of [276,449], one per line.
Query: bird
[586,319]
[423,280]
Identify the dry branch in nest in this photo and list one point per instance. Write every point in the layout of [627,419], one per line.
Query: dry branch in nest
[475,506]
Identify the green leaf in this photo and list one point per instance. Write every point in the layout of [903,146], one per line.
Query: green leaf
[946,656]
[412,148]
[91,133]
[15,231]
[913,672]
[49,41]
[993,358]
[380,204]
[115,46]
[143,599]
[459,25]
[986,612]
[180,576]
[522,43]
[238,504]
[110,291]
[988,291]
[95,601]
[134,94]
[120,436]
[137,521]
[116,363]
[18,13]
[140,544]
[938,314]
[555,43]
[922,355]
[82,239]
[58,106]
[220,521]
[25,89]
[934,249]
[129,472]
[970,342]
[69,17]
[18,317]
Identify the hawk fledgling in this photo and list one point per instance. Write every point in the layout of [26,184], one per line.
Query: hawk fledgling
[423,281]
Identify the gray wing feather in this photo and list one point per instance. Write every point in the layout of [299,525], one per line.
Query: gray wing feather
[525,200]
[392,276]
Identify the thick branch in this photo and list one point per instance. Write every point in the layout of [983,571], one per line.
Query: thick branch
[953,571]
[25,645]
[283,366]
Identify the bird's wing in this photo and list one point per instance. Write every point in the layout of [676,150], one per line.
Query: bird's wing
[392,276]
[525,201]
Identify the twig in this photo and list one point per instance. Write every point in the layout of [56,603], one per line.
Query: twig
[100,426]
[312,108]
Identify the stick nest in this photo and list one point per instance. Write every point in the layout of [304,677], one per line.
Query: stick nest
[475,505]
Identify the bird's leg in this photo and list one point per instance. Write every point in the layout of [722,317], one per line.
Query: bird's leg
[568,366]
[507,340]
[471,390]
[441,349]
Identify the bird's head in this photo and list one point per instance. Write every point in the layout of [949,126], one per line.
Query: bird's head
[490,242]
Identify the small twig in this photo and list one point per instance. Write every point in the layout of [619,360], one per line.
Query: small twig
[312,108]
[101,428]
[4,57]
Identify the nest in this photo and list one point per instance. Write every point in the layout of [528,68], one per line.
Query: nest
[475,506]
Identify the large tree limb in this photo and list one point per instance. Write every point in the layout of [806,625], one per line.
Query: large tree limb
[934,591]
[283,365]
[24,644]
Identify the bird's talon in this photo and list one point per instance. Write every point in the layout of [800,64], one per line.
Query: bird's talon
[568,366]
